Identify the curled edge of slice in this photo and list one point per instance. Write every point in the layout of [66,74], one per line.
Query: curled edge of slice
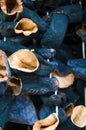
[26,26]
[5,73]
[8,10]
[15,84]
[78,116]
[48,123]
[24,60]
[64,81]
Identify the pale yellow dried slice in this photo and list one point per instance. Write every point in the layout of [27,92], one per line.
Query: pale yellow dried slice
[15,84]
[11,7]
[48,123]
[4,67]
[26,26]
[78,116]
[64,81]
[24,60]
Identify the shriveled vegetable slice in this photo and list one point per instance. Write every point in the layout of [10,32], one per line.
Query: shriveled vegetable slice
[64,81]
[11,7]
[78,116]
[69,109]
[26,26]
[15,84]
[4,67]
[48,123]
[24,60]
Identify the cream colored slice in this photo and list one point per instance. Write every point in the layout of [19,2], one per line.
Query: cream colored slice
[64,81]
[48,123]
[26,26]
[3,66]
[15,84]
[78,116]
[24,60]
[11,7]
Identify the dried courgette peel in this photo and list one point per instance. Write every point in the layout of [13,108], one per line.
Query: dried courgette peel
[11,7]
[4,67]
[24,60]
[64,81]
[15,84]
[48,123]
[69,109]
[26,26]
[78,116]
